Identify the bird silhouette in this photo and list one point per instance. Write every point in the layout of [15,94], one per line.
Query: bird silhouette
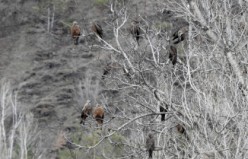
[150,145]
[179,35]
[162,110]
[173,54]
[96,28]
[135,30]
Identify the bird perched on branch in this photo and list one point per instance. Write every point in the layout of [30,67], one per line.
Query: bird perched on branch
[156,94]
[106,70]
[111,66]
[150,145]
[135,30]
[87,109]
[173,54]
[97,29]
[180,35]
[180,129]
[163,110]
[97,113]
[75,32]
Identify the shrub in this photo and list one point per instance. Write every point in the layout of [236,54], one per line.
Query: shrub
[101,2]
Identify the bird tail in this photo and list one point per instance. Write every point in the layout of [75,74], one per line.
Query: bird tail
[76,42]
[137,39]
[162,109]
[105,72]
[82,122]
[150,154]
[162,117]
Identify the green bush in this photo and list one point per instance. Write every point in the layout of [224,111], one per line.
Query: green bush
[114,149]
[65,154]
[163,25]
[118,140]
[101,2]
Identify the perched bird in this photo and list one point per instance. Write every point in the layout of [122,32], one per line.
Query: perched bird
[156,94]
[180,129]
[75,32]
[106,70]
[87,109]
[111,66]
[98,114]
[173,54]
[162,110]
[135,30]
[97,29]
[150,145]
[179,35]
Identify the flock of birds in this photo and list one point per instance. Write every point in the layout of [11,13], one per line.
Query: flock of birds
[97,112]
[76,31]
[178,36]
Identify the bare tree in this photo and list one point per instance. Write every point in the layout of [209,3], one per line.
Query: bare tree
[18,130]
[204,93]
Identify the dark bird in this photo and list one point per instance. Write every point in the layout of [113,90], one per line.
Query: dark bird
[135,30]
[106,70]
[87,109]
[75,32]
[150,145]
[70,145]
[97,29]
[111,66]
[179,35]
[180,129]
[156,94]
[173,54]
[163,110]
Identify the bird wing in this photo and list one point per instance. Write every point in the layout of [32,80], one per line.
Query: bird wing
[75,30]
[150,143]
[98,27]
[173,55]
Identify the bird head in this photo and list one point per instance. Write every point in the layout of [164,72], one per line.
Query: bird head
[150,135]
[74,23]
[86,104]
